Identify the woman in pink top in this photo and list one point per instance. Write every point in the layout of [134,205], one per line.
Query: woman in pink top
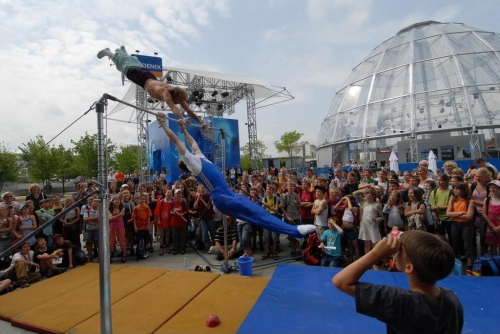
[491,214]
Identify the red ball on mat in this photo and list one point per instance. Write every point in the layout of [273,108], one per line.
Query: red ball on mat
[213,321]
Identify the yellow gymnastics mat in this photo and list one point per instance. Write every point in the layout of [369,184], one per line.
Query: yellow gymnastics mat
[148,308]
[39,293]
[230,297]
[73,307]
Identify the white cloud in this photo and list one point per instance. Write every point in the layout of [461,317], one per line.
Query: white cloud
[51,75]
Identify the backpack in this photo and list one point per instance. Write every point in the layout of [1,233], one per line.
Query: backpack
[311,252]
[141,251]
[487,265]
[430,220]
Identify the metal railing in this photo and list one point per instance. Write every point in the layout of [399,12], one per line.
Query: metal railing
[51,222]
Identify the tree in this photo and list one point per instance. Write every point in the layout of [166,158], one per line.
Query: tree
[86,157]
[289,143]
[128,159]
[40,160]
[260,149]
[9,166]
[65,169]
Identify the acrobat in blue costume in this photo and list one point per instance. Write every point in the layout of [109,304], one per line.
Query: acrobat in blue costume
[225,199]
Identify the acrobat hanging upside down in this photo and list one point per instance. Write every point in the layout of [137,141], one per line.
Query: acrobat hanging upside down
[132,68]
[225,199]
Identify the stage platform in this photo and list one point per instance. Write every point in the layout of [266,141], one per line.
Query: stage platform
[298,299]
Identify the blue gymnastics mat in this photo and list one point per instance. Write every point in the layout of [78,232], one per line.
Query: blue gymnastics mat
[302,299]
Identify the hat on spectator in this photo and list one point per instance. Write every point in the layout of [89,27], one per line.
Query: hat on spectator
[124,185]
[45,200]
[177,191]
[323,189]
[22,207]
[495,182]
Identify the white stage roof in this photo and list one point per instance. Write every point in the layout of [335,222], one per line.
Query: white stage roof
[262,90]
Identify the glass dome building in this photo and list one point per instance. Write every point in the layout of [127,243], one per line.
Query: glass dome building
[429,78]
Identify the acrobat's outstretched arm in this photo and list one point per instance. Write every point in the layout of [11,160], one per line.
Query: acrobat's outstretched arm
[160,117]
[190,139]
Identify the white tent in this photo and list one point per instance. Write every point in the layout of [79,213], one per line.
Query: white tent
[394,164]
[432,161]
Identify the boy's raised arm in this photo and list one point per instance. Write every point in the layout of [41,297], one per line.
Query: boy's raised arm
[346,280]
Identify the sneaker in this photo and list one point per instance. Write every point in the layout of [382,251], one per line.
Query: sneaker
[23,284]
[468,272]
[103,53]
[122,49]
[58,271]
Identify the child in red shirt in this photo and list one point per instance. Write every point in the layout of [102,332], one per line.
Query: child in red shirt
[163,220]
[141,215]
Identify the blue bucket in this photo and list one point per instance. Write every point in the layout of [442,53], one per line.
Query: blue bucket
[245,265]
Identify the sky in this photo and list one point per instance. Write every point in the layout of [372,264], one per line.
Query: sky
[51,76]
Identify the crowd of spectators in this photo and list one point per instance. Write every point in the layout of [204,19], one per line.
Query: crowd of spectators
[352,211]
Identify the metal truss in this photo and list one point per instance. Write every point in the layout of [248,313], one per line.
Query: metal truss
[217,97]
[475,148]
[413,148]
[252,128]
[335,154]
[141,98]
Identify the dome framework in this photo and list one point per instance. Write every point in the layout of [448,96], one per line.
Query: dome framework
[430,77]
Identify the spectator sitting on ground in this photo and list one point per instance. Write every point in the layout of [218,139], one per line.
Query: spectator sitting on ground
[45,258]
[71,254]
[16,276]
[5,284]
[23,269]
[232,239]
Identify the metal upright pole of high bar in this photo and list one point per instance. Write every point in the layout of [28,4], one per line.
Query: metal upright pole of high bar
[104,253]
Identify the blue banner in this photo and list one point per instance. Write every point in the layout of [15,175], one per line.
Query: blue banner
[152,64]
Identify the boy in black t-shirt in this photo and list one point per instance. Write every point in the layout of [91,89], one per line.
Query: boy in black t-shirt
[425,259]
